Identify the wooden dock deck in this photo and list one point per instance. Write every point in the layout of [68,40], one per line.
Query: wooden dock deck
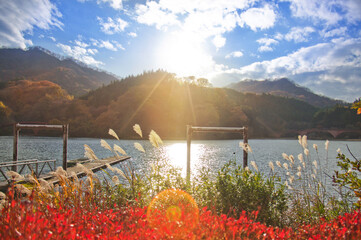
[91,165]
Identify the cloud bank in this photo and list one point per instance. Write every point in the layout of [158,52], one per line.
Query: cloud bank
[18,18]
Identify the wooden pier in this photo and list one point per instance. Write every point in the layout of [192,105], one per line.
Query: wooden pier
[94,166]
[90,165]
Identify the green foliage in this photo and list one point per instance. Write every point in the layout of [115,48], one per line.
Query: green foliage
[338,116]
[349,175]
[234,190]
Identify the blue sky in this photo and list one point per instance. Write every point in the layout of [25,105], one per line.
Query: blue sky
[316,43]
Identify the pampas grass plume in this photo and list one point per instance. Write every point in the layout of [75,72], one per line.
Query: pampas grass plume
[138,130]
[139,147]
[112,133]
[119,149]
[105,145]
[154,139]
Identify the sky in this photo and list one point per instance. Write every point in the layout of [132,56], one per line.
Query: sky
[315,43]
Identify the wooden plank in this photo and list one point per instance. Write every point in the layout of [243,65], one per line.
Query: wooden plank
[217,129]
[21,161]
[93,169]
[38,126]
[25,163]
[50,178]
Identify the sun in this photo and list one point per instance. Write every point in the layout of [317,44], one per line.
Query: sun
[184,55]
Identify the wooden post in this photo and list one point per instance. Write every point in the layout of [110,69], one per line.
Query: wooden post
[65,145]
[15,148]
[191,129]
[189,137]
[245,141]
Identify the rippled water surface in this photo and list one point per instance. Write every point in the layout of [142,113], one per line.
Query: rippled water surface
[212,153]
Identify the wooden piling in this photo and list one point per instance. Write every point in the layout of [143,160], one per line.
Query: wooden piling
[65,145]
[189,138]
[245,141]
[15,146]
[191,129]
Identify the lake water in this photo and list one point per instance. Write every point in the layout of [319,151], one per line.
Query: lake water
[210,153]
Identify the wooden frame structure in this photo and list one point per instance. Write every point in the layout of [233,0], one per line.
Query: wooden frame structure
[19,126]
[191,129]
[33,165]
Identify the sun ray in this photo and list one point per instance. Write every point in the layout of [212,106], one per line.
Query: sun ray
[144,101]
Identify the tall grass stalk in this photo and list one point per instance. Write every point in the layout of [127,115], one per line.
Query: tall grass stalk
[311,197]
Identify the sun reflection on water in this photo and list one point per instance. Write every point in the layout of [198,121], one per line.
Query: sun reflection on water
[177,155]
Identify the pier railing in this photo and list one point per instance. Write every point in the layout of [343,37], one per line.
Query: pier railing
[191,129]
[18,126]
[34,166]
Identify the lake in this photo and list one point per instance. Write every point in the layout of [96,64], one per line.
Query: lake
[209,153]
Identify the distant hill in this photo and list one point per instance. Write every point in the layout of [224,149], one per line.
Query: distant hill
[158,100]
[285,88]
[37,64]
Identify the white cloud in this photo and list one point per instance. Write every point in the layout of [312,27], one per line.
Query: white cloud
[235,54]
[353,9]
[219,41]
[81,44]
[92,51]
[315,9]
[132,34]
[298,34]
[53,39]
[258,18]
[151,14]
[118,45]
[203,18]
[116,4]
[18,17]
[330,12]
[320,66]
[265,49]
[113,46]
[266,44]
[335,32]
[80,54]
[189,6]
[112,26]
[278,36]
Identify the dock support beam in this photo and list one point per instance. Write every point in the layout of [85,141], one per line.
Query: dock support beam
[19,126]
[65,145]
[245,141]
[191,129]
[189,138]
[15,148]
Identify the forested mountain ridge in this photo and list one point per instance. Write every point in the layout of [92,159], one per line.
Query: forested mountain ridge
[37,64]
[160,101]
[157,100]
[285,88]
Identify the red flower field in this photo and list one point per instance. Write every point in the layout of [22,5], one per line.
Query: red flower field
[24,220]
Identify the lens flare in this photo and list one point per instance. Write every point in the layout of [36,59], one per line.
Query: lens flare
[173,210]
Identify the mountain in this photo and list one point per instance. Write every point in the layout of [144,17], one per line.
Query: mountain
[158,100]
[285,88]
[37,64]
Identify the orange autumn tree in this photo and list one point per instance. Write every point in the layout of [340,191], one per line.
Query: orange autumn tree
[357,105]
